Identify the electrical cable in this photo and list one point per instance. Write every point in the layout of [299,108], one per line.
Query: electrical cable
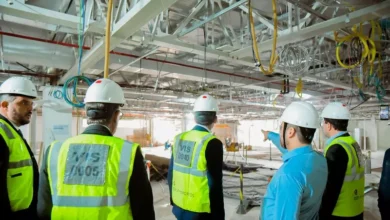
[299,88]
[274,56]
[73,82]
[356,38]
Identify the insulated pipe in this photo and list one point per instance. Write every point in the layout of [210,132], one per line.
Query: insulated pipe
[108,38]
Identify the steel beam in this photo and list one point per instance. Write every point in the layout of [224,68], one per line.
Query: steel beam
[212,17]
[137,17]
[262,19]
[187,20]
[380,10]
[34,13]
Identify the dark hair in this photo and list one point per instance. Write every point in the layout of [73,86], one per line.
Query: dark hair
[340,125]
[100,113]
[205,118]
[305,135]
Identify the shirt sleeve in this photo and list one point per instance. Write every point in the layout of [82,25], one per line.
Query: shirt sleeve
[337,160]
[275,139]
[288,196]
[214,158]
[141,195]
[45,203]
[5,207]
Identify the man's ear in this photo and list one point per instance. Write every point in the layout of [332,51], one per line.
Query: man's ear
[4,104]
[215,119]
[291,132]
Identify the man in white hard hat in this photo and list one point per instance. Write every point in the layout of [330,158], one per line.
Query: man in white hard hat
[18,167]
[296,189]
[195,171]
[344,194]
[96,175]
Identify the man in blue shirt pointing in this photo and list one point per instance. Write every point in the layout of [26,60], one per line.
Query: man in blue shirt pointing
[296,190]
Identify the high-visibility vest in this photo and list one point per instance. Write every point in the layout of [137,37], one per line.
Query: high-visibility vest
[190,189]
[351,199]
[20,174]
[89,177]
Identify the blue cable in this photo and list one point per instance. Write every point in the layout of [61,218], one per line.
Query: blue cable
[74,81]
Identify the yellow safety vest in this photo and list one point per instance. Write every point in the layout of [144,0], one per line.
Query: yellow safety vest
[20,174]
[89,177]
[351,199]
[190,189]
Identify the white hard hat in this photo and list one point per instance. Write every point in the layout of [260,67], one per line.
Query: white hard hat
[206,103]
[336,110]
[301,114]
[19,86]
[105,91]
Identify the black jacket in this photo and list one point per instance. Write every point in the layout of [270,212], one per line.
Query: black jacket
[337,159]
[140,191]
[5,207]
[384,188]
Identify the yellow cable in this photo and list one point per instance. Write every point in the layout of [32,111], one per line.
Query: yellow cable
[369,50]
[274,56]
[108,37]
[299,87]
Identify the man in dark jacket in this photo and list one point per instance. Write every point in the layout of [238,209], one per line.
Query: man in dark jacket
[343,198]
[96,175]
[195,171]
[384,188]
[18,167]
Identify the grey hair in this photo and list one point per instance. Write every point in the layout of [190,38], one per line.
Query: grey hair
[7,97]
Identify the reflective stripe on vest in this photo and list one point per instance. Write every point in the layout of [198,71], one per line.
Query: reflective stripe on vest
[93,201]
[350,201]
[20,173]
[193,170]
[354,174]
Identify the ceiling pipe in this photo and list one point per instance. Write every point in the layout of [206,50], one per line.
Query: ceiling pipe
[149,58]
[23,73]
[135,56]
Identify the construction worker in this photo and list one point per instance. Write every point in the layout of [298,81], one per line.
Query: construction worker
[296,189]
[18,167]
[384,187]
[195,171]
[344,194]
[95,175]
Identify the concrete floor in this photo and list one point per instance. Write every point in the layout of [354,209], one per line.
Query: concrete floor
[163,208]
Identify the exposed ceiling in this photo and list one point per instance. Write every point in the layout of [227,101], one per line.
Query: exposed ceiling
[167,52]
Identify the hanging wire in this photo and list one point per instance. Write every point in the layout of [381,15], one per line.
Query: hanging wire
[72,83]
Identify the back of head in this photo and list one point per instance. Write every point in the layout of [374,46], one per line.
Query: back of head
[102,100]
[205,110]
[337,114]
[303,117]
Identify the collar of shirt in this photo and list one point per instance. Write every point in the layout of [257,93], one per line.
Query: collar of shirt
[334,137]
[98,129]
[296,152]
[207,129]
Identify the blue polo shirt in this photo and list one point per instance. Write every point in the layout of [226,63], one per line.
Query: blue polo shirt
[296,189]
